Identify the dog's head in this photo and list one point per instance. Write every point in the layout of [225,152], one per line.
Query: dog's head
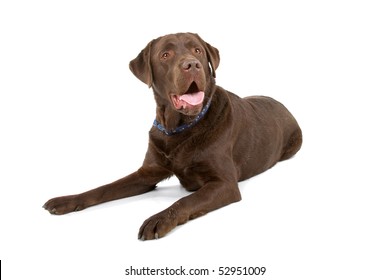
[181,70]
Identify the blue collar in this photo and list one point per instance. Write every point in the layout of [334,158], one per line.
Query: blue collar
[184,126]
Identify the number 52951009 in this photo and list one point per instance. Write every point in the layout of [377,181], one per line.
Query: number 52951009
[241,270]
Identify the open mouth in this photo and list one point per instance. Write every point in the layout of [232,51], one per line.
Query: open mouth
[192,97]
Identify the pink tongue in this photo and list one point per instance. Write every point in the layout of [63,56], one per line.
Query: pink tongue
[192,98]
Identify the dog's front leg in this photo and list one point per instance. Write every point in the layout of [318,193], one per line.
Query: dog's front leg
[208,198]
[141,181]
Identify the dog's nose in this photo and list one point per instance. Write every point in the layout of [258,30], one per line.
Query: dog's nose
[191,65]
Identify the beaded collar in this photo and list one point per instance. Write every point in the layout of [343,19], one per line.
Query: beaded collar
[183,127]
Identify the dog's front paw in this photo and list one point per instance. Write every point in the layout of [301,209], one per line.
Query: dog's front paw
[160,224]
[64,204]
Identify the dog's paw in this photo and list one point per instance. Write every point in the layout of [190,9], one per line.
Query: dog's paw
[63,205]
[160,224]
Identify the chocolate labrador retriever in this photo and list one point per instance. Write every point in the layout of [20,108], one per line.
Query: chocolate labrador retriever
[205,135]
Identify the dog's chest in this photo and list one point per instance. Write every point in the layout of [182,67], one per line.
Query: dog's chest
[173,149]
[184,159]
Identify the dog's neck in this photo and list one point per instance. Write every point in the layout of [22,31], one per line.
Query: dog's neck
[172,125]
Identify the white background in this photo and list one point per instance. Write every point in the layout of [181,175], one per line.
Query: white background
[72,117]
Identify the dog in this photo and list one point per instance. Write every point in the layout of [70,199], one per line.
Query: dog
[206,136]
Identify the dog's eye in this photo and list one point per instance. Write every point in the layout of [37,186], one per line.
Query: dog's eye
[165,55]
[198,50]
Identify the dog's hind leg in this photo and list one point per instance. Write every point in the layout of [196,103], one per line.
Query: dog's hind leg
[293,145]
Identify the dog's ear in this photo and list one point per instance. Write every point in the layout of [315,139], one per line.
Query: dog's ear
[141,65]
[212,55]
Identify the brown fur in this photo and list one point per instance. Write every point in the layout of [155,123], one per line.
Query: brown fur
[237,138]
